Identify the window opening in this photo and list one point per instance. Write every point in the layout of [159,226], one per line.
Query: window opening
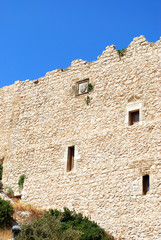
[83,86]
[146,185]
[1,171]
[133,117]
[70,160]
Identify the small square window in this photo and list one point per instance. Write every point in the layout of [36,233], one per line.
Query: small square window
[83,86]
[146,185]
[133,117]
[70,160]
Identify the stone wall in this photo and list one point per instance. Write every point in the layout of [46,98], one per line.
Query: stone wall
[40,119]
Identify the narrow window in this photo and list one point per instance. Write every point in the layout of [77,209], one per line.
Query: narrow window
[1,171]
[133,117]
[145,184]
[70,160]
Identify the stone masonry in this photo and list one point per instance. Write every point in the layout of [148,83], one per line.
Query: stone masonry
[41,119]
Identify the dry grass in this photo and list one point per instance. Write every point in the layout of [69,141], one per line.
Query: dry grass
[5,234]
[18,206]
[35,213]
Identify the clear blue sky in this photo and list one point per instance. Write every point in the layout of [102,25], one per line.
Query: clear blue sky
[37,36]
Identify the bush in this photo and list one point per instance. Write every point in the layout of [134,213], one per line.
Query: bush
[47,227]
[89,87]
[90,230]
[66,225]
[8,190]
[121,52]
[6,212]
[21,181]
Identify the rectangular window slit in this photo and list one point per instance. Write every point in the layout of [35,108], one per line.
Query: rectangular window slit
[70,160]
[146,186]
[133,117]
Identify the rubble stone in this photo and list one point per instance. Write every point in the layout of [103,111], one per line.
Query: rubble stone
[40,119]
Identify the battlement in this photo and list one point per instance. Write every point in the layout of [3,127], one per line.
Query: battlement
[139,46]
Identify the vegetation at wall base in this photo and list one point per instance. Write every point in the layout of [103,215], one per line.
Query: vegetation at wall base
[90,230]
[63,225]
[47,227]
[5,234]
[8,191]
[6,212]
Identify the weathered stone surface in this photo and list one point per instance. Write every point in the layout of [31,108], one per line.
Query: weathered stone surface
[40,119]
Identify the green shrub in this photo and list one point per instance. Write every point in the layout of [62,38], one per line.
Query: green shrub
[87,100]
[90,229]
[21,181]
[48,227]
[121,52]
[89,87]
[1,184]
[66,225]
[6,212]
[1,171]
[8,190]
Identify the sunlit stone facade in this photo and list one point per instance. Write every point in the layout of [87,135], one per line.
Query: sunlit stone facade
[112,148]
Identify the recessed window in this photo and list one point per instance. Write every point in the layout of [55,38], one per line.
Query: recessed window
[1,170]
[83,86]
[146,185]
[134,113]
[70,160]
[133,117]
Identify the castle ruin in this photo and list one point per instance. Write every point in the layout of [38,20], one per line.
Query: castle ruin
[95,150]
